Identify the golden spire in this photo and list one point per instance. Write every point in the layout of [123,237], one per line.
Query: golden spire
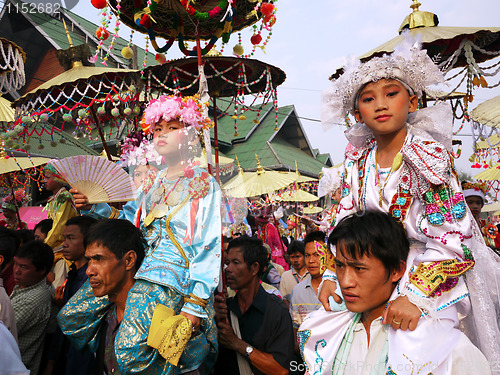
[418,18]
[238,162]
[260,169]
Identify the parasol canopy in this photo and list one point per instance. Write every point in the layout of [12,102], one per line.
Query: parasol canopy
[172,15]
[491,174]
[251,184]
[449,47]
[298,195]
[312,210]
[6,111]
[492,207]
[226,76]
[11,164]
[488,114]
[12,59]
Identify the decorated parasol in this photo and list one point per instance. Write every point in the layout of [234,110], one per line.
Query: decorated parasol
[12,59]
[449,47]
[6,111]
[296,195]
[311,210]
[184,20]
[251,184]
[81,98]
[485,121]
[225,77]
[492,178]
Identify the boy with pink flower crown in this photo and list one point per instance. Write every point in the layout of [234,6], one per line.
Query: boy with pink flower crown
[398,162]
[168,325]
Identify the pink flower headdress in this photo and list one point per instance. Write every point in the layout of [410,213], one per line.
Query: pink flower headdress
[187,110]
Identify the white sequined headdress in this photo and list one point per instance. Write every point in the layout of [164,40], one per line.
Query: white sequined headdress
[408,64]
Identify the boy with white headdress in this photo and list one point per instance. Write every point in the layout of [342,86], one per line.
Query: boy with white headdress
[399,162]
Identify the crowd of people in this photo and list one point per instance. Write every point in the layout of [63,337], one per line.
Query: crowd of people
[397,278]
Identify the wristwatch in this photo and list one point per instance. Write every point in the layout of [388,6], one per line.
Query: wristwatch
[248,351]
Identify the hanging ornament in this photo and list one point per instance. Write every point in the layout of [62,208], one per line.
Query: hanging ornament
[267,9]
[101,33]
[256,39]
[160,58]
[127,52]
[238,50]
[99,4]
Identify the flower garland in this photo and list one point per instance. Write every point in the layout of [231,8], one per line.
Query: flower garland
[187,110]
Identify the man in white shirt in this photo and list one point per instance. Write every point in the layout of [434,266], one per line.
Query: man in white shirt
[371,252]
[297,273]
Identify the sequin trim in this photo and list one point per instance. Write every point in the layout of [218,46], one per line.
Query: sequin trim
[428,277]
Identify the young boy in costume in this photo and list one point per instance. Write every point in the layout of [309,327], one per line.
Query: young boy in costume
[395,164]
[179,215]
[372,249]
[10,208]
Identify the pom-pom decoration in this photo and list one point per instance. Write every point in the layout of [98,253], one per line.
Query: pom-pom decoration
[256,39]
[127,53]
[267,9]
[99,4]
[160,58]
[101,33]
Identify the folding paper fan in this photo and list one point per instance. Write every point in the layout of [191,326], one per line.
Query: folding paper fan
[98,178]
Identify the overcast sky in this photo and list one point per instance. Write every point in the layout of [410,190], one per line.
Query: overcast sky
[310,38]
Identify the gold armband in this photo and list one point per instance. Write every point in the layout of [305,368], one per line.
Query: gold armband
[196,300]
[427,277]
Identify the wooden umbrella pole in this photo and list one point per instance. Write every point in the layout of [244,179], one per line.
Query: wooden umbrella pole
[216,142]
[101,134]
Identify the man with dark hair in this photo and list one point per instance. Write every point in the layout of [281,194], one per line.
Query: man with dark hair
[7,249]
[115,250]
[31,300]
[371,252]
[259,337]
[298,271]
[42,228]
[63,357]
[304,296]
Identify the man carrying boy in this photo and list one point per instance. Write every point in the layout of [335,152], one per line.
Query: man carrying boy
[115,251]
[370,260]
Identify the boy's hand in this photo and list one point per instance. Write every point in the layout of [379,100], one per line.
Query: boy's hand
[81,200]
[194,320]
[328,289]
[59,297]
[402,314]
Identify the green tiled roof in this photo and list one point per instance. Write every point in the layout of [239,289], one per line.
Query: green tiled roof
[323,157]
[272,149]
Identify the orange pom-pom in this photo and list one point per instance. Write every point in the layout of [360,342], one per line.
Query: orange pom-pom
[267,9]
[101,33]
[99,4]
